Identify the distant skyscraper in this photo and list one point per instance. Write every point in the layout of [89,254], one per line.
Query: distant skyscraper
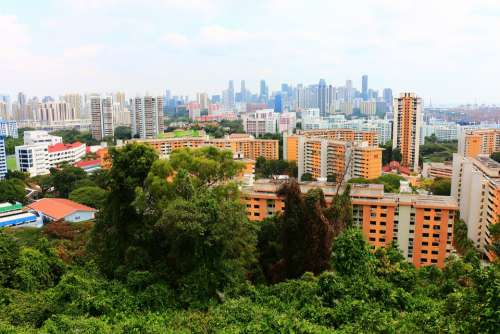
[406,128]
[348,91]
[147,116]
[263,93]
[323,105]
[3,159]
[101,113]
[364,89]
[230,93]
[243,92]
[388,96]
[278,103]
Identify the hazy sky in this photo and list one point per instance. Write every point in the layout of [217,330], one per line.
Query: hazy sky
[447,50]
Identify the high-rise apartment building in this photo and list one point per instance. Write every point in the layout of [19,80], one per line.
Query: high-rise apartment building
[3,158]
[55,112]
[323,158]
[421,225]
[75,102]
[406,128]
[8,128]
[364,87]
[472,143]
[147,116]
[475,184]
[101,113]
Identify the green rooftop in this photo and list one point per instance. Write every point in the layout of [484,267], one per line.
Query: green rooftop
[6,207]
[180,134]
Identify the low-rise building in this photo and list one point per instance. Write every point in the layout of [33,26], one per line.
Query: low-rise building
[58,209]
[421,225]
[39,137]
[37,159]
[475,185]
[12,214]
[437,169]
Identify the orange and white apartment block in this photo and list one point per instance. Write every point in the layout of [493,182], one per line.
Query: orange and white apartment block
[475,184]
[244,144]
[323,156]
[421,225]
[472,142]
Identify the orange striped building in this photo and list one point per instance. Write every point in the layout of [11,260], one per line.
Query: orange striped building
[472,143]
[421,225]
[323,157]
[406,128]
[348,135]
[246,145]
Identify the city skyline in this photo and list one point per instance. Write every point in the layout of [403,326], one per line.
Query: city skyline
[148,47]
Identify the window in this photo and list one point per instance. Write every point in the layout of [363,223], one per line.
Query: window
[436,227]
[372,239]
[425,243]
[426,225]
[373,223]
[435,252]
[423,260]
[383,215]
[373,231]
[434,261]
[435,235]
[381,239]
[425,235]
[427,217]
[256,214]
[256,206]
[382,223]
[424,251]
[435,244]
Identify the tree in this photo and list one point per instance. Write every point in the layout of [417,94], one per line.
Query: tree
[396,155]
[119,229]
[495,156]
[12,190]
[441,186]
[307,177]
[123,132]
[92,196]
[64,179]
[387,153]
[351,254]
[9,254]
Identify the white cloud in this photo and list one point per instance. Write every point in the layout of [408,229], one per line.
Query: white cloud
[175,40]
[215,34]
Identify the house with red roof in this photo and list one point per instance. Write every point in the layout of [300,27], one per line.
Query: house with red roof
[89,166]
[55,209]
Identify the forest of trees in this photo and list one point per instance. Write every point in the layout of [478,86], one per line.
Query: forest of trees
[172,251]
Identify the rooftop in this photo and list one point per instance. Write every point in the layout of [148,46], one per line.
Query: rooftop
[63,147]
[58,208]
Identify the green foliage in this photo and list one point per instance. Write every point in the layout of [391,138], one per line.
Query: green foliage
[386,153]
[12,190]
[123,132]
[307,177]
[267,168]
[462,242]
[495,156]
[396,155]
[441,186]
[65,178]
[9,254]
[92,196]
[437,151]
[351,254]
[73,135]
[390,181]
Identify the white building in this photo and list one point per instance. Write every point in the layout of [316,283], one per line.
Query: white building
[368,108]
[8,128]
[147,116]
[101,113]
[287,122]
[475,184]
[33,159]
[40,137]
[442,130]
[261,122]
[37,159]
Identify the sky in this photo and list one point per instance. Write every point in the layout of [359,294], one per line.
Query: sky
[447,51]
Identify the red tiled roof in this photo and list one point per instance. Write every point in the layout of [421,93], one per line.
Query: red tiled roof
[87,163]
[58,208]
[62,147]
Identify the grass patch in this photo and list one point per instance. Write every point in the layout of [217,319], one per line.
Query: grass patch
[11,162]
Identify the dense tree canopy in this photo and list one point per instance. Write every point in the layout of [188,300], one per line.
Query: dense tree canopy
[173,252]
[266,168]
[12,190]
[92,196]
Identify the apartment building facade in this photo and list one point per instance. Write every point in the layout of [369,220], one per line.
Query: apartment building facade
[246,145]
[473,142]
[406,128]
[325,158]
[476,187]
[147,116]
[421,225]
[8,128]
[3,158]
[348,135]
[101,114]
